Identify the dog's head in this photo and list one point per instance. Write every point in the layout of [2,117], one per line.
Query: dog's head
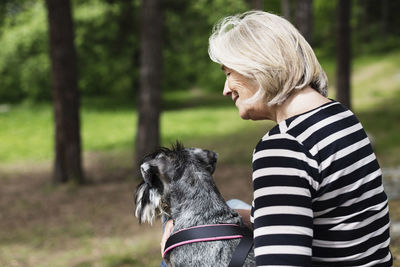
[160,169]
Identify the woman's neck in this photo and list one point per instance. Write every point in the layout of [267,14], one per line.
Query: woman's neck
[299,102]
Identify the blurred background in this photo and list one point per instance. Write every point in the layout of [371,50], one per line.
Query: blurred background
[87,87]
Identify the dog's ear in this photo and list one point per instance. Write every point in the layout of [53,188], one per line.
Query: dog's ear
[208,158]
[149,193]
[212,160]
[148,172]
[154,170]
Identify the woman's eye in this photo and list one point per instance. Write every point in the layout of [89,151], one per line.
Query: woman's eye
[228,74]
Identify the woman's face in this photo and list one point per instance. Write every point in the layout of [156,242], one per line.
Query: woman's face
[240,88]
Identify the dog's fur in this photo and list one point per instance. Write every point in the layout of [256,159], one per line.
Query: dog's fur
[178,183]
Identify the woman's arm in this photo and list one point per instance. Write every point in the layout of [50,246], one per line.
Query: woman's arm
[283,215]
[169,225]
[245,214]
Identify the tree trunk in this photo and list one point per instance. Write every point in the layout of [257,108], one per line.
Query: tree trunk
[285,9]
[126,29]
[67,164]
[149,106]
[343,53]
[304,18]
[256,4]
[384,17]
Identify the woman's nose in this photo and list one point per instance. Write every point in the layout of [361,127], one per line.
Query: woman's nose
[227,91]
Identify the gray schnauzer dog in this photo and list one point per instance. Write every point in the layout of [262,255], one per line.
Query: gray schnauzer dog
[178,183]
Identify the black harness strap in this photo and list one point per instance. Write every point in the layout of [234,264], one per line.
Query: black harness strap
[242,250]
[215,233]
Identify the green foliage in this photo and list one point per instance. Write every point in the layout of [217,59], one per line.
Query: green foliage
[107,43]
[107,48]
[375,26]
[324,27]
[188,25]
[24,64]
[106,51]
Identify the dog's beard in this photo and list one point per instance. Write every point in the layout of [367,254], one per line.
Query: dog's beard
[148,203]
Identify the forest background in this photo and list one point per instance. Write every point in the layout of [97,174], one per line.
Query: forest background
[44,224]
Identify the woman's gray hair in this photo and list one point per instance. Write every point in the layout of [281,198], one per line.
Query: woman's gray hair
[269,49]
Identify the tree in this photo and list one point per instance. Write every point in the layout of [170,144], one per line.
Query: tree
[67,164]
[256,4]
[149,106]
[304,18]
[285,9]
[385,17]
[343,53]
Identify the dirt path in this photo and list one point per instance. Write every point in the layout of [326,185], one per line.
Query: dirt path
[81,224]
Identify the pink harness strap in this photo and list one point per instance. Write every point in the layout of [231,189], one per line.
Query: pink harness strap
[200,240]
[203,233]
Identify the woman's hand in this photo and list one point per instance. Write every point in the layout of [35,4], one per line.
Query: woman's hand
[245,214]
[169,225]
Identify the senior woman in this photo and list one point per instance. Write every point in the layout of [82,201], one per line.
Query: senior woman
[318,194]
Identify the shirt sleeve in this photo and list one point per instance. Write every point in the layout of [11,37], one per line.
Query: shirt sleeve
[282,209]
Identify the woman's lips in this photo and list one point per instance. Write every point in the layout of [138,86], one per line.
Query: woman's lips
[235,98]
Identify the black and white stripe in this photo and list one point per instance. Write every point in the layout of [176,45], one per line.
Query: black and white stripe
[318,194]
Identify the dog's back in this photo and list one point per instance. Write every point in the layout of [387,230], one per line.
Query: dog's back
[212,253]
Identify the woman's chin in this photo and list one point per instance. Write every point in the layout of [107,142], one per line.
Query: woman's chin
[253,117]
[244,115]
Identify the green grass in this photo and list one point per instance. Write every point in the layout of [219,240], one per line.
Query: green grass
[26,133]
[27,130]
[199,118]
[376,98]
[375,81]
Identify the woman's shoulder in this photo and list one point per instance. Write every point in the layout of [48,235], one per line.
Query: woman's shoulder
[279,141]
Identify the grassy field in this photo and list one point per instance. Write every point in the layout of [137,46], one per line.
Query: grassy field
[27,130]
[93,225]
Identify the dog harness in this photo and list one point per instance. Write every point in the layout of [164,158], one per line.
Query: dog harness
[214,232]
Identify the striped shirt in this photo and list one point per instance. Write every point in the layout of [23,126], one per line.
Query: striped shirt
[318,194]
